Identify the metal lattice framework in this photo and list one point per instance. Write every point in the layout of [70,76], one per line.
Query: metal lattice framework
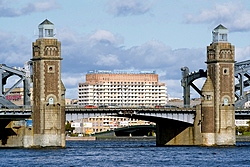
[241,74]
[24,76]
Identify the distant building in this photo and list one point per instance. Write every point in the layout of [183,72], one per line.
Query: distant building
[122,88]
[16,95]
[242,122]
[68,101]
[104,123]
[74,101]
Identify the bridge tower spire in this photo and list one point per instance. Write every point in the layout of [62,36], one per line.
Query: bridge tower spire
[218,113]
[48,89]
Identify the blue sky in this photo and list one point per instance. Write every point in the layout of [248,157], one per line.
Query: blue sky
[159,35]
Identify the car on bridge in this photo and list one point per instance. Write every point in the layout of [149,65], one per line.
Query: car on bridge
[90,106]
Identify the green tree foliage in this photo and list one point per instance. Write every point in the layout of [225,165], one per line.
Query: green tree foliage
[248,128]
[241,129]
[68,127]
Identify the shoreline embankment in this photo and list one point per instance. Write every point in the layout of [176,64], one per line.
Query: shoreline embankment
[139,138]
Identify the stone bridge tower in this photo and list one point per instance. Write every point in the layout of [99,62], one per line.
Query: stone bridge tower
[217,107]
[48,90]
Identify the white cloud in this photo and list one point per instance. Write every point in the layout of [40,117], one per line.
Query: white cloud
[68,36]
[158,56]
[129,7]
[72,93]
[41,6]
[174,88]
[153,55]
[13,49]
[242,54]
[108,60]
[231,14]
[105,37]
[72,79]
[7,9]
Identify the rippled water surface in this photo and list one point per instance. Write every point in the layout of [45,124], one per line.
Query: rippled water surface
[127,153]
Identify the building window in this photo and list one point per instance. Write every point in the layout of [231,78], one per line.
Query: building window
[225,71]
[209,97]
[222,37]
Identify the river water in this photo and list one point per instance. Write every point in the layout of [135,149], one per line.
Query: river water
[101,153]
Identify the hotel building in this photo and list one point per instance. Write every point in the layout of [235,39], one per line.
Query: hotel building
[122,88]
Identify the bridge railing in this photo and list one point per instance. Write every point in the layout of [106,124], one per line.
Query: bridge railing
[15,113]
[12,108]
[132,107]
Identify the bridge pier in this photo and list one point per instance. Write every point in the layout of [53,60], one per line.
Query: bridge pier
[216,115]
[176,133]
[48,90]
[15,134]
[218,98]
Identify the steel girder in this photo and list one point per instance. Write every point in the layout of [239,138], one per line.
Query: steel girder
[241,73]
[187,81]
[5,73]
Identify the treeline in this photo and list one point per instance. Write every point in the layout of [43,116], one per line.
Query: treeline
[243,130]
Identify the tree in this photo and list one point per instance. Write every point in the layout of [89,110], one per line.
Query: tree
[68,127]
[240,129]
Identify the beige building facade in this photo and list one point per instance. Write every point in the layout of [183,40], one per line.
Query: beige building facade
[122,88]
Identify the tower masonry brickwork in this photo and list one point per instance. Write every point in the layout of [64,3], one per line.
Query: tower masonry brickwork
[48,90]
[218,114]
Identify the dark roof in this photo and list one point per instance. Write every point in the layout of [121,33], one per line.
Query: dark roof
[220,27]
[46,21]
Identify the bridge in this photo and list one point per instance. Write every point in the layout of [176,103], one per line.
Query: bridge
[15,113]
[136,130]
[211,123]
[149,114]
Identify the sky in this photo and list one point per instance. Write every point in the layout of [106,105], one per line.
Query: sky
[159,35]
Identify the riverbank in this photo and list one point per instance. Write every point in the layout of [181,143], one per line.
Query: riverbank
[243,138]
[89,138]
[120,138]
[125,138]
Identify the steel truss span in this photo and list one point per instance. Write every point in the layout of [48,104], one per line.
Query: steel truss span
[241,75]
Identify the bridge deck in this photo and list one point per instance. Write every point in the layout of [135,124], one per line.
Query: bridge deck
[15,113]
[174,113]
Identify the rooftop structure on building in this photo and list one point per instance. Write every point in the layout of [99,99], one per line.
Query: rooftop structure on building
[122,88]
[46,29]
[120,72]
[220,34]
